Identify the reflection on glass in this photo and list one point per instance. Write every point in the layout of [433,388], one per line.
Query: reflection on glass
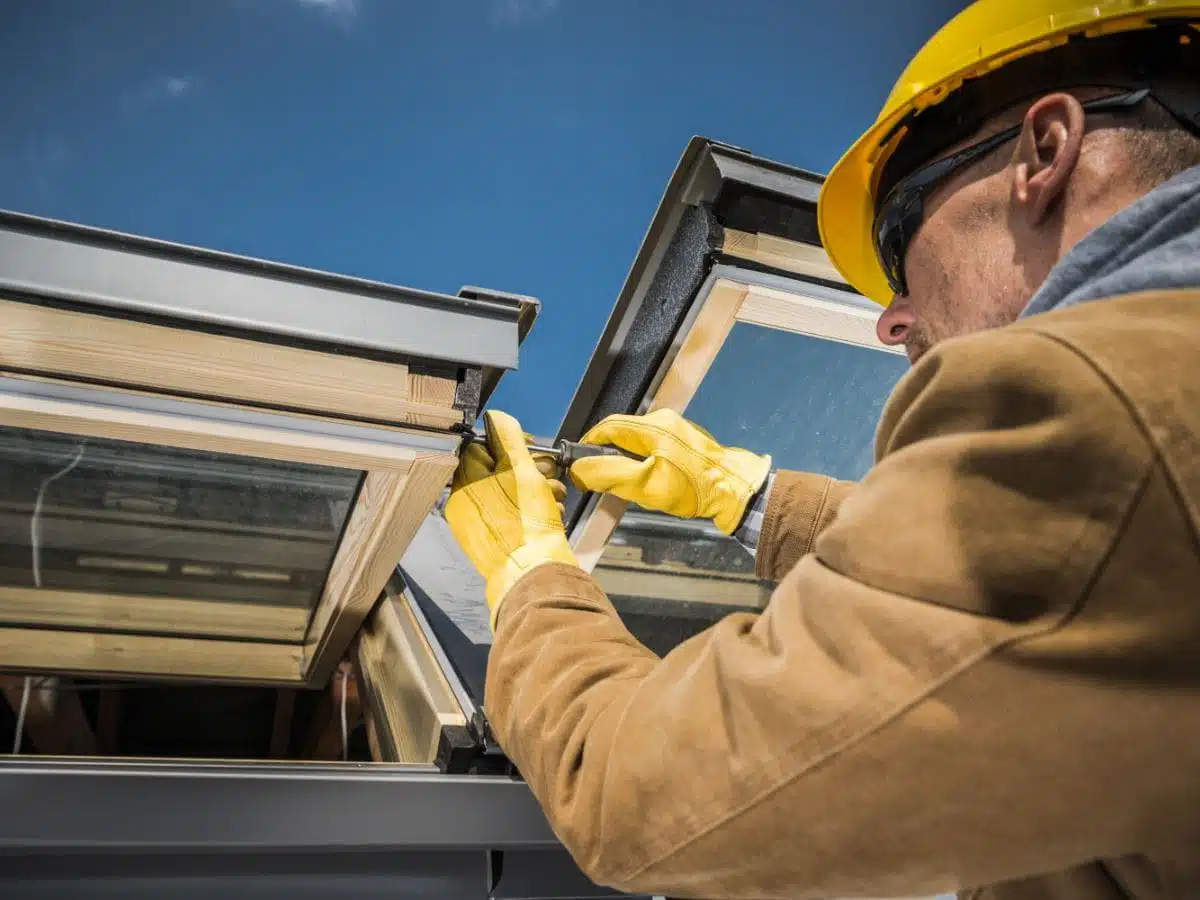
[671,578]
[112,517]
[812,404]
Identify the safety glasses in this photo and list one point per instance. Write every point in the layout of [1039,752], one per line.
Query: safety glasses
[903,209]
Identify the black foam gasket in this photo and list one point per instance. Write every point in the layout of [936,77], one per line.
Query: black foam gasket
[747,208]
[660,316]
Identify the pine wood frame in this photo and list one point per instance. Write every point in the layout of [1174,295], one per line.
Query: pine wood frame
[86,346]
[727,302]
[399,487]
[409,700]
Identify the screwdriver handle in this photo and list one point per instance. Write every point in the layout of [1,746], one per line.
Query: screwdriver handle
[570,452]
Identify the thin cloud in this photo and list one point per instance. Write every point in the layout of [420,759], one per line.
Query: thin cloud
[163,89]
[342,10]
[177,86]
[512,12]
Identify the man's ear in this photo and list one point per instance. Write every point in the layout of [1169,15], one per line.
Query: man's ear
[1047,152]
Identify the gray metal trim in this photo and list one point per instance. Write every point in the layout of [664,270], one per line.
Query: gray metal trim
[72,806]
[346,875]
[767,175]
[103,398]
[542,875]
[94,267]
[531,308]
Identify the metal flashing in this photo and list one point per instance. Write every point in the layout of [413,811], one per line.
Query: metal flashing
[767,175]
[530,309]
[68,263]
[73,806]
[84,828]
[347,875]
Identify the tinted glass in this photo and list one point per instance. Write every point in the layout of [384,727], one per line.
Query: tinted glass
[142,525]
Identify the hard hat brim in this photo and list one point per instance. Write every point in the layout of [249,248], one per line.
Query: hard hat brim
[846,215]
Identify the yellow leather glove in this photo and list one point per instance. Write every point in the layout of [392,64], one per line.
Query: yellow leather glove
[503,510]
[686,473]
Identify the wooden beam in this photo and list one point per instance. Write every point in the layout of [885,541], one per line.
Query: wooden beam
[133,613]
[145,655]
[801,314]
[781,253]
[369,717]
[55,723]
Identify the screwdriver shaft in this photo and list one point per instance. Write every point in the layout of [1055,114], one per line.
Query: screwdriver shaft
[565,453]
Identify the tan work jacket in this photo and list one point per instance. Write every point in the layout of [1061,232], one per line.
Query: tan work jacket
[981,665]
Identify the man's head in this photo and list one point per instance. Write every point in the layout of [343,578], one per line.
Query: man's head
[992,230]
[1016,130]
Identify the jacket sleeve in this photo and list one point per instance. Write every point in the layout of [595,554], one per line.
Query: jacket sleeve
[799,508]
[908,716]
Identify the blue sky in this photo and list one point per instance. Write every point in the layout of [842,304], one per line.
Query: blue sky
[517,144]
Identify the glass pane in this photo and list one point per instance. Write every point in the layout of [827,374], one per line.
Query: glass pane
[108,534]
[812,404]
[670,578]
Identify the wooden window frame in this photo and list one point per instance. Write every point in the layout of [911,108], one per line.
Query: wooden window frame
[400,485]
[107,350]
[410,702]
[731,295]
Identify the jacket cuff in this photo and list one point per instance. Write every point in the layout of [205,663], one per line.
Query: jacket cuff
[799,507]
[552,579]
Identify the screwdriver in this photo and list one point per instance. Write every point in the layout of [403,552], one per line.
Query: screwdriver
[565,453]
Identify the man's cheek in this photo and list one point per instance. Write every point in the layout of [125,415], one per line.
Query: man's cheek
[921,274]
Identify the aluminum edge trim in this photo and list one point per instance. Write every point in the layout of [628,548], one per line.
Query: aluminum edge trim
[257,297]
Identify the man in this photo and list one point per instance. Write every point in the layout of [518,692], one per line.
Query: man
[981,665]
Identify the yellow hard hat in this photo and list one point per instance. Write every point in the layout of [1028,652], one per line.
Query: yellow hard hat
[986,36]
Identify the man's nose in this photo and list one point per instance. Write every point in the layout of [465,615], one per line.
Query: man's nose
[893,325]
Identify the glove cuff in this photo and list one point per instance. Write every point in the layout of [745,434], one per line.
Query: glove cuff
[546,548]
[744,473]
